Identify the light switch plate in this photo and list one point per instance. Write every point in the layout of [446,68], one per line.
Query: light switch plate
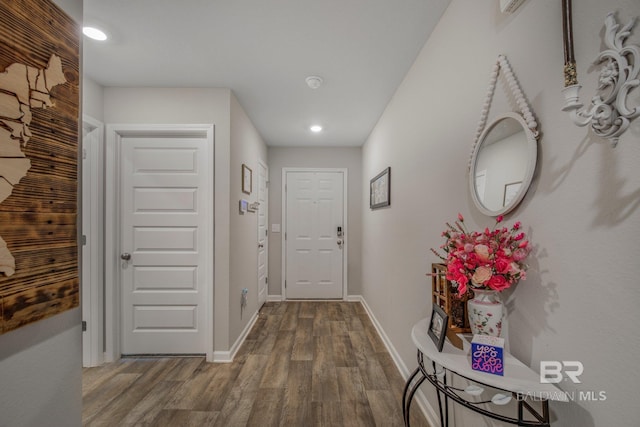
[275,228]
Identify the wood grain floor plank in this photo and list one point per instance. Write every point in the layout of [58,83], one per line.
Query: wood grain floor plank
[93,378]
[267,408]
[100,398]
[296,407]
[326,414]
[184,370]
[307,310]
[236,411]
[343,354]
[213,398]
[277,369]
[303,340]
[149,407]
[387,408]
[184,418]
[350,385]
[356,413]
[189,394]
[373,375]
[324,381]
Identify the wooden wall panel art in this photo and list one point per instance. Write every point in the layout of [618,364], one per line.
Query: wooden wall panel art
[39,117]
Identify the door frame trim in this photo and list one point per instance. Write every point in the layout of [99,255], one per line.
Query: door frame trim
[92,292]
[266,167]
[115,133]
[345,251]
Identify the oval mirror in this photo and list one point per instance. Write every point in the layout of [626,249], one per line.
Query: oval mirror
[502,165]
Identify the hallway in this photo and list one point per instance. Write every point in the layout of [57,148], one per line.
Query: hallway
[303,364]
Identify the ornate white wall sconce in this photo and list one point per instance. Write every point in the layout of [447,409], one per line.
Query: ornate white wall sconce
[608,114]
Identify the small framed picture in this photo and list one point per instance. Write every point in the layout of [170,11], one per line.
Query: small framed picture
[247,179]
[510,192]
[438,326]
[380,190]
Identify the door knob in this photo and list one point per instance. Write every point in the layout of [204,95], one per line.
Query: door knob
[126,256]
[340,243]
[260,245]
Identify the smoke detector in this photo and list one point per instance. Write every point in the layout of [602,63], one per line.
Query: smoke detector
[314,82]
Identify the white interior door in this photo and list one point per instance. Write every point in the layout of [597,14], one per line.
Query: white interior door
[163,239]
[263,241]
[314,251]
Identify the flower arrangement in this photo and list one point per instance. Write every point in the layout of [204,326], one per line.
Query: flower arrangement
[492,259]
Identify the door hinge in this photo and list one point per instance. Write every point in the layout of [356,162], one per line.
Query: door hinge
[84,240]
[266,232]
[84,326]
[285,284]
[285,235]
[266,280]
[84,153]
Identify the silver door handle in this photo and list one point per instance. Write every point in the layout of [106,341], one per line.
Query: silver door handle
[260,245]
[340,243]
[125,256]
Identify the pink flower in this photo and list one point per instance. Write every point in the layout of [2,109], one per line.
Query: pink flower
[519,237]
[503,265]
[498,283]
[483,252]
[523,244]
[468,247]
[481,275]
[520,254]
[499,218]
[462,289]
[517,225]
[460,217]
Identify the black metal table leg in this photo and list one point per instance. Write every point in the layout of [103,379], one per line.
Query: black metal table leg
[405,410]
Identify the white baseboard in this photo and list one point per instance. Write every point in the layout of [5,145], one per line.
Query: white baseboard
[227,356]
[424,405]
[274,298]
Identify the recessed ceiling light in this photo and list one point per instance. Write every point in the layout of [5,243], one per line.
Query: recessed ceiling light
[316,128]
[94,33]
[314,82]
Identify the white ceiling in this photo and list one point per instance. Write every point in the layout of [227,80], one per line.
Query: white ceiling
[263,50]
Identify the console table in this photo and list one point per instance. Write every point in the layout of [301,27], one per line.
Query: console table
[519,382]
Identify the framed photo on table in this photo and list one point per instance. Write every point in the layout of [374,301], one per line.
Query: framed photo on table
[438,326]
[247,179]
[380,190]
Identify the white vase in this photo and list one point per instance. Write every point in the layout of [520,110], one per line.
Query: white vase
[485,313]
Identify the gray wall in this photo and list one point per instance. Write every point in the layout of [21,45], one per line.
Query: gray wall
[92,99]
[41,363]
[580,299]
[321,157]
[247,147]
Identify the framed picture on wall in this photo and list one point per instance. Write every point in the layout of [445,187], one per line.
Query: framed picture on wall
[380,190]
[247,179]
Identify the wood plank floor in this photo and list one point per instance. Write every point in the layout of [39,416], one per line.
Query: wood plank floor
[303,364]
